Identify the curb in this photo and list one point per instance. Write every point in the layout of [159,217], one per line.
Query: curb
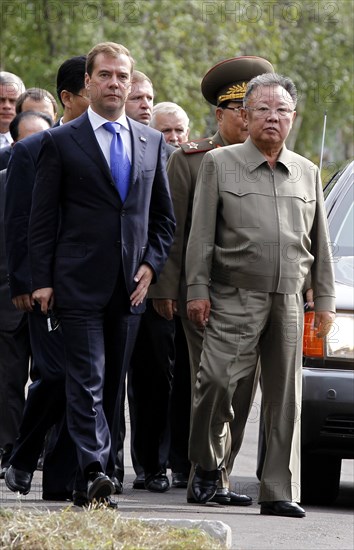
[216,529]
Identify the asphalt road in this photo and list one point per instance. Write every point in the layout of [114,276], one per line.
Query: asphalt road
[323,528]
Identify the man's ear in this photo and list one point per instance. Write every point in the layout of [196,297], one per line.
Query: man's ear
[244,114]
[66,98]
[219,114]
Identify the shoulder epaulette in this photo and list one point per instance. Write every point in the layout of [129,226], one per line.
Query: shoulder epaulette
[198,146]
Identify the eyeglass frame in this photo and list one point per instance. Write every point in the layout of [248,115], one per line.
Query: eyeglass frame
[234,109]
[80,95]
[264,112]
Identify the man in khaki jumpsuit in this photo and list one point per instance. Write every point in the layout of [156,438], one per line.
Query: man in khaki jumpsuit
[223,85]
[259,228]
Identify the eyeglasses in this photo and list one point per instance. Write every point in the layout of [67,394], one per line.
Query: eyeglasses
[264,112]
[234,109]
[80,95]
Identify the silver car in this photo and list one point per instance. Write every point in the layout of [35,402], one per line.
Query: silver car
[328,367]
[327,419]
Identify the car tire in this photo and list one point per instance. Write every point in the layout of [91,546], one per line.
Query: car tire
[320,477]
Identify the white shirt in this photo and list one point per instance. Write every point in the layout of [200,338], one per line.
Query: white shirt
[5,140]
[104,137]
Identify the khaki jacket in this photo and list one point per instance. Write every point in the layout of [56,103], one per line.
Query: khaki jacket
[258,228]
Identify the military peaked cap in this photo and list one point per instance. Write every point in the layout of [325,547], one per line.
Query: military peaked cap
[227,80]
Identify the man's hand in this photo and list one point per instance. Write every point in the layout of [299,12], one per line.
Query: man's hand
[198,312]
[323,322]
[164,307]
[143,277]
[309,298]
[45,298]
[23,302]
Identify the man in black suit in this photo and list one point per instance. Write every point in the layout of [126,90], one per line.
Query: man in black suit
[5,153]
[94,252]
[15,349]
[46,402]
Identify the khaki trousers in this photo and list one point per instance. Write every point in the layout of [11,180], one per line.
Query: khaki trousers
[241,403]
[243,326]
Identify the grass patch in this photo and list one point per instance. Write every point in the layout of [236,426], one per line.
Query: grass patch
[97,528]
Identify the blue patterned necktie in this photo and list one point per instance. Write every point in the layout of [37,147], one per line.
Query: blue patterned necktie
[119,161]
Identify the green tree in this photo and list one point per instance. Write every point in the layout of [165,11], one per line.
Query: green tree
[175,43]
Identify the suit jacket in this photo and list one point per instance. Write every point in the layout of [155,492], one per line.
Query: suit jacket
[5,154]
[20,180]
[10,318]
[81,234]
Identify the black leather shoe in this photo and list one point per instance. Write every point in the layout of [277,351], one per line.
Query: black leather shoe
[282,508]
[118,485]
[224,496]
[18,480]
[139,481]
[204,484]
[79,498]
[179,480]
[157,483]
[99,485]
[59,497]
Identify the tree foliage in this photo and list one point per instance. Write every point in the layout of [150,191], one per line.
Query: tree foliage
[175,43]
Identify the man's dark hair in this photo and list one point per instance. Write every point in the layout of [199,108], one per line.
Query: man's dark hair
[37,94]
[71,75]
[14,124]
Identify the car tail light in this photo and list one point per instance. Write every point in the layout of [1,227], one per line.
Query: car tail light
[312,346]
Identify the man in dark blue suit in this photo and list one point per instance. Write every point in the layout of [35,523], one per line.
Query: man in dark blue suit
[94,253]
[15,349]
[46,401]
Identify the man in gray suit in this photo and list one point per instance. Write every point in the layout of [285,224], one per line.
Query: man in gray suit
[258,230]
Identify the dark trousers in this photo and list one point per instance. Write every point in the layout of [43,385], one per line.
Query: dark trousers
[45,407]
[15,351]
[180,407]
[99,344]
[127,402]
[151,369]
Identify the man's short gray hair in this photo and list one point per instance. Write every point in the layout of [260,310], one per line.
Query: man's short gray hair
[271,79]
[13,81]
[169,108]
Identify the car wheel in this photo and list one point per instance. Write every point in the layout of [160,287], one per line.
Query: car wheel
[320,476]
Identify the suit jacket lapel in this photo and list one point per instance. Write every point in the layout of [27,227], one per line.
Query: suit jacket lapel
[139,144]
[84,136]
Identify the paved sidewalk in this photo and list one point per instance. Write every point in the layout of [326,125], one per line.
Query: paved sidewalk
[323,528]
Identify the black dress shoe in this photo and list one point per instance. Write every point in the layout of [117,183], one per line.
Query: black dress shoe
[99,485]
[157,483]
[282,508]
[139,481]
[18,480]
[59,497]
[79,498]
[204,484]
[179,480]
[224,496]
[118,485]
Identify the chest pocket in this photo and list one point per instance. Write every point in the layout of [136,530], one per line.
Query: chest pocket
[241,208]
[303,210]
